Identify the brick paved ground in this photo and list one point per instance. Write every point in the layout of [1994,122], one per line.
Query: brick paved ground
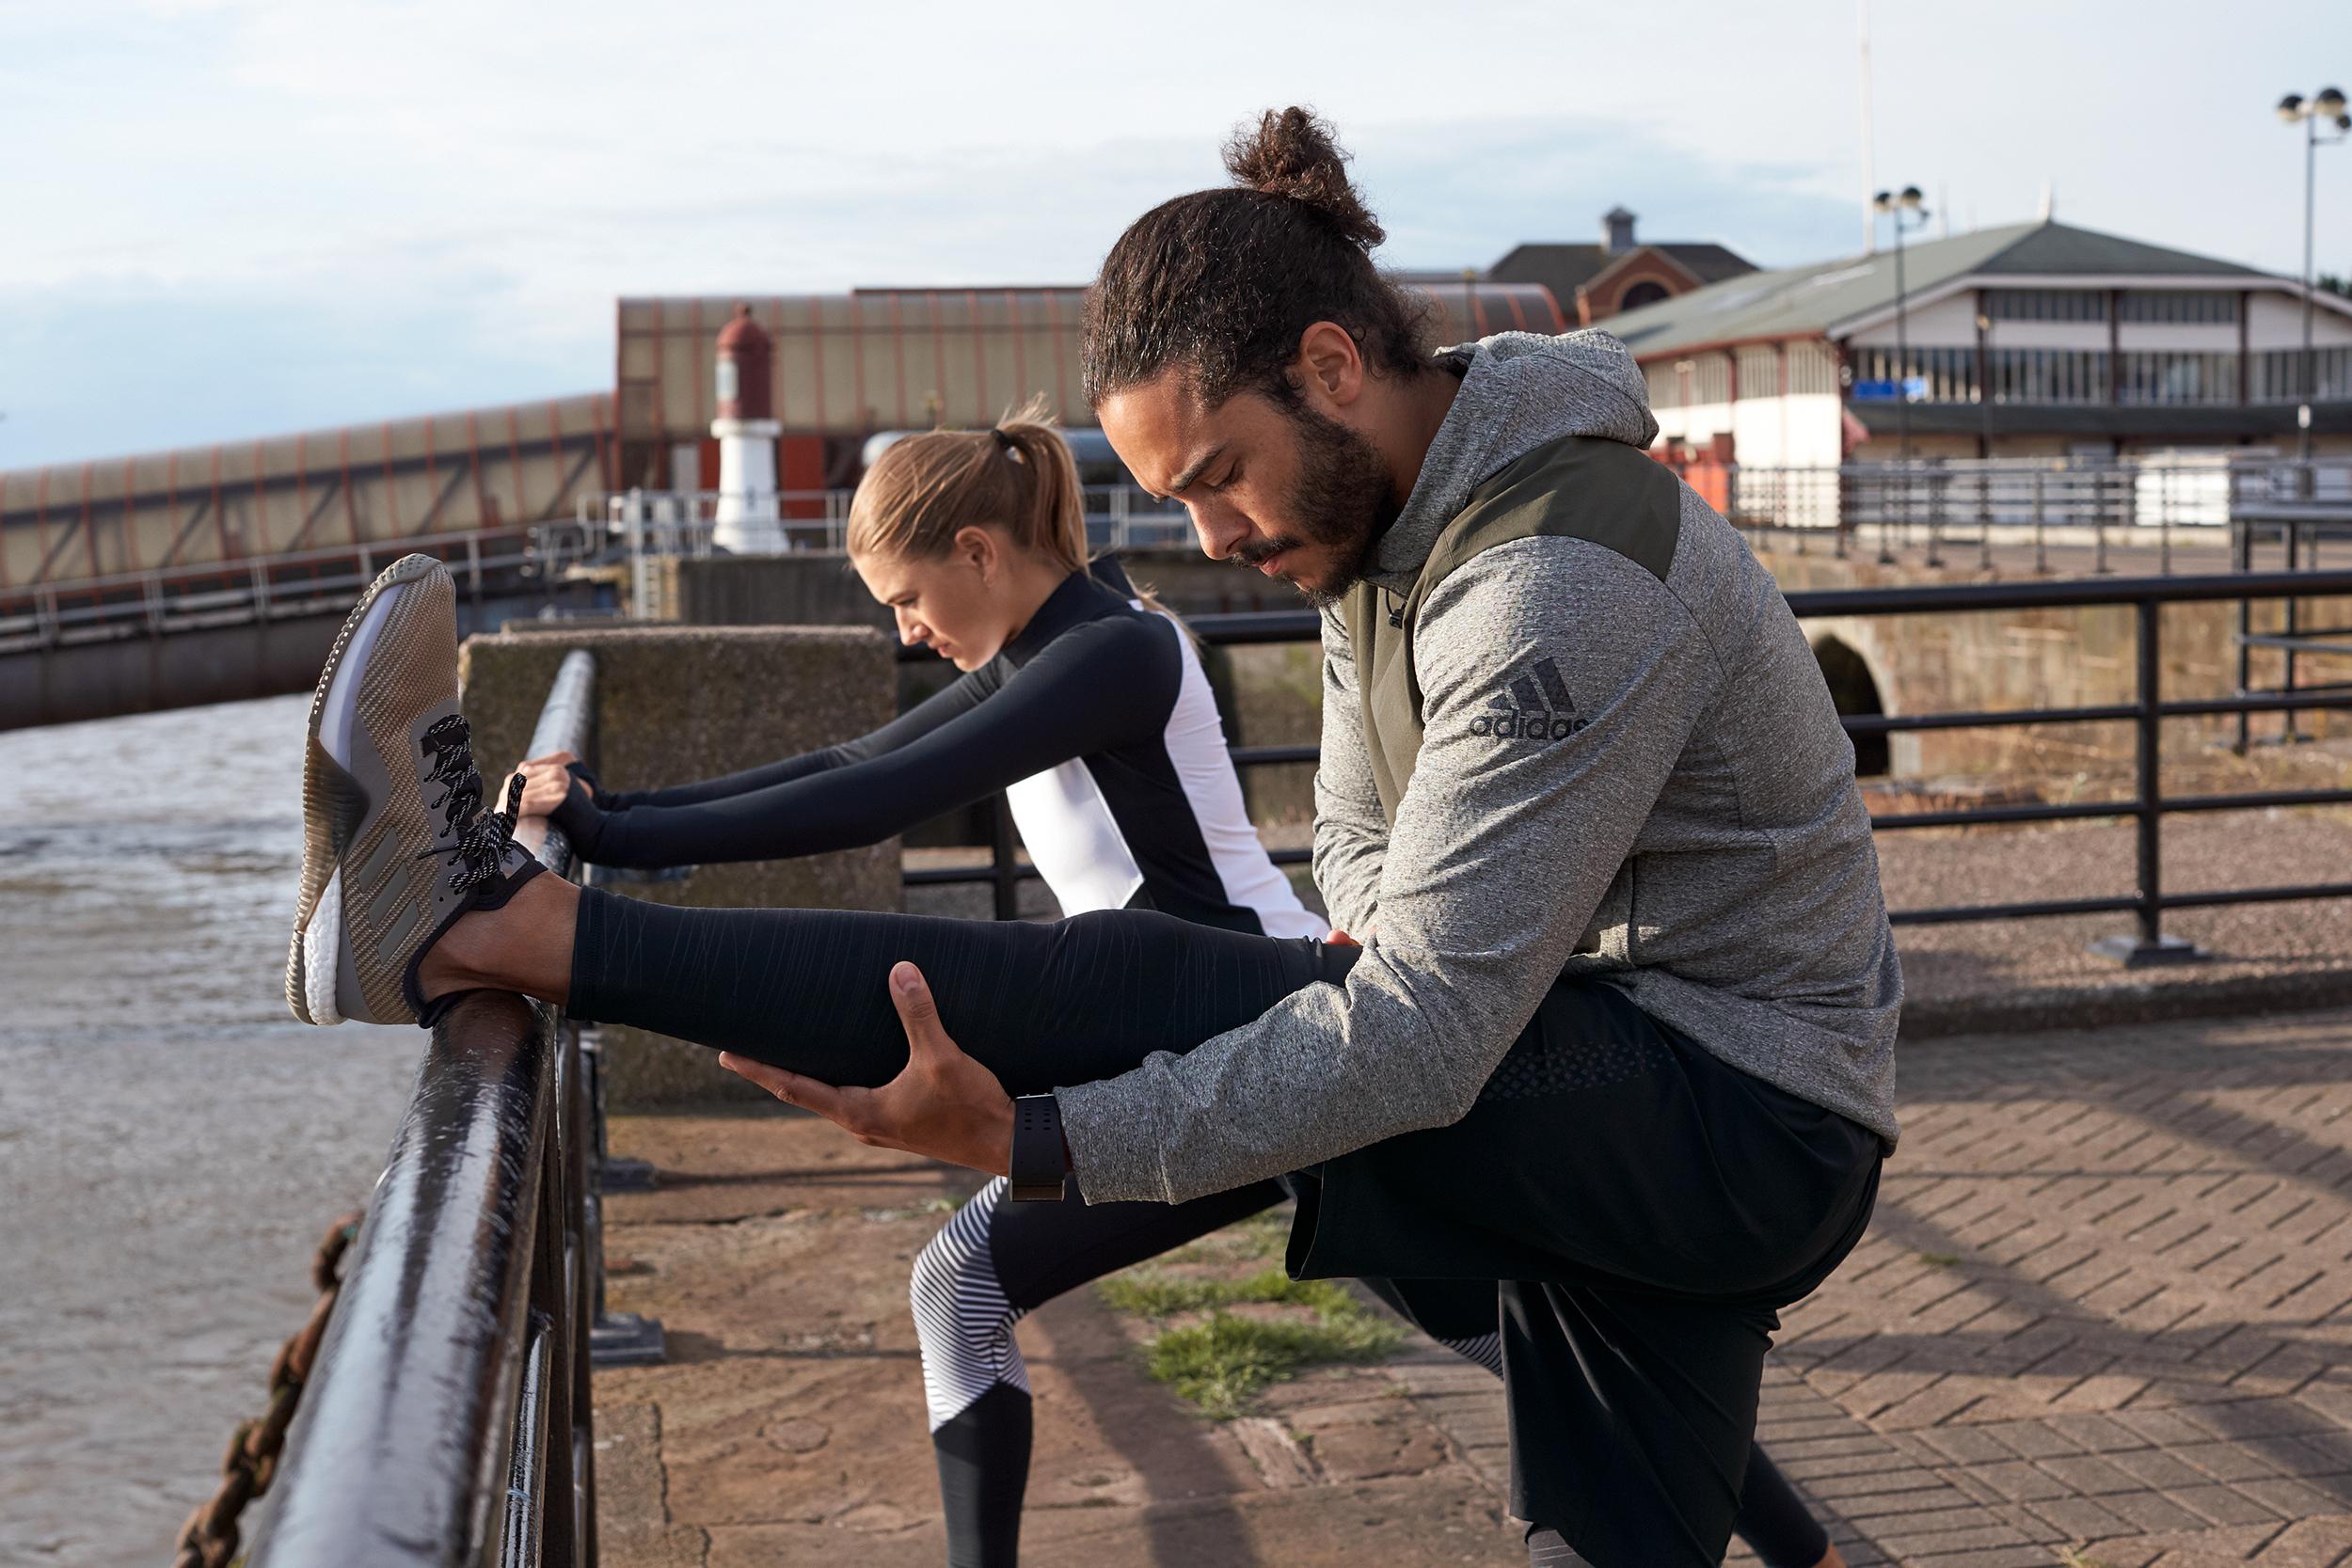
[2104,1317]
[2102,1310]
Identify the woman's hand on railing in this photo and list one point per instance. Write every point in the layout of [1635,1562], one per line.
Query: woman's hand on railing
[944,1104]
[546,782]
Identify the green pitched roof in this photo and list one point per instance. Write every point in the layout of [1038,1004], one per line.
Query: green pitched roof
[1797,301]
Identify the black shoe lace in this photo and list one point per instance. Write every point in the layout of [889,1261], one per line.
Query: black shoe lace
[482,835]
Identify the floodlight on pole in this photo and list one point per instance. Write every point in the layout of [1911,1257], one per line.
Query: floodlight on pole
[2327,104]
[1900,206]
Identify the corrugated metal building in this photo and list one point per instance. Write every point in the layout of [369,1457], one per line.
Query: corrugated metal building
[846,366]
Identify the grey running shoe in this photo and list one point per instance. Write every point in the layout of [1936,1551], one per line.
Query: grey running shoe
[396,842]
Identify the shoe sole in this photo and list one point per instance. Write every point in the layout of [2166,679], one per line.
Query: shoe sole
[311,963]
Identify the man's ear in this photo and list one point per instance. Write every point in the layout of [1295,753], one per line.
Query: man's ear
[1330,368]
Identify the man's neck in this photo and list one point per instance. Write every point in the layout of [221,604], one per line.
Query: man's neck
[1421,408]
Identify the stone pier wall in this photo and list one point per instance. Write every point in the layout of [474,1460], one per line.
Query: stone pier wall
[676,704]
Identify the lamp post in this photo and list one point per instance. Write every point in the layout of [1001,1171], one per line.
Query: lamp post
[2329,105]
[1896,205]
[1984,438]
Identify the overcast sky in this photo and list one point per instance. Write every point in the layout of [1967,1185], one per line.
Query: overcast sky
[226,218]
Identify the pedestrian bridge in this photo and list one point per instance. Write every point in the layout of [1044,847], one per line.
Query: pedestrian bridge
[221,572]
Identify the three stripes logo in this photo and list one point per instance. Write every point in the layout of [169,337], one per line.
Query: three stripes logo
[1536,707]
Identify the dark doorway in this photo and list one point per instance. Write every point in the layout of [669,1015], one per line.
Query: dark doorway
[1856,696]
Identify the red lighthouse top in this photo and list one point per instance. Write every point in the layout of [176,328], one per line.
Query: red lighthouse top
[744,348]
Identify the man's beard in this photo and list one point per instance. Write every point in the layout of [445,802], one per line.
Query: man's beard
[1344,500]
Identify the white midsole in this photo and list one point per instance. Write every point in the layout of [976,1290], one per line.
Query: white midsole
[322,941]
[322,933]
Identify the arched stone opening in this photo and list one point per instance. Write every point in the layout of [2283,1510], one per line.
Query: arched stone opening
[1855,692]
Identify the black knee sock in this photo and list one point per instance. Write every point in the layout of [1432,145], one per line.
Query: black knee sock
[983,1472]
[1545,1549]
[807,990]
[1773,1519]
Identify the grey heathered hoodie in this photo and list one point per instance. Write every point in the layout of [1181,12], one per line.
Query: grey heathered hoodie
[1698,841]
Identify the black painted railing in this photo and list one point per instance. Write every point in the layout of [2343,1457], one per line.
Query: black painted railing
[2147,807]
[447,1419]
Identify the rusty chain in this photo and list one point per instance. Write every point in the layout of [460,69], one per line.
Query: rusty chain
[210,1537]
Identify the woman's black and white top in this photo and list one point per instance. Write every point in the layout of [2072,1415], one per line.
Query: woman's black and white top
[1097,723]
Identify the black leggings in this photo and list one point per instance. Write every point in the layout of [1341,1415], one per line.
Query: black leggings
[1039,1006]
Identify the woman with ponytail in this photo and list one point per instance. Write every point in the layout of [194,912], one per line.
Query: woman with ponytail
[1080,700]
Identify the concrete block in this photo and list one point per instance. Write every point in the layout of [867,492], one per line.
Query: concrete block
[676,704]
[811,589]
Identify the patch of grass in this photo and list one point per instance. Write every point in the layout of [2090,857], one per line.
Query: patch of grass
[1152,1293]
[1939,1259]
[1221,1361]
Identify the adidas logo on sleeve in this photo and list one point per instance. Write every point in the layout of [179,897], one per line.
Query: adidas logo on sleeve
[1535,706]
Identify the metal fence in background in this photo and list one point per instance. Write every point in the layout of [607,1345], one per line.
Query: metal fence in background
[1958,512]
[2147,808]
[448,1417]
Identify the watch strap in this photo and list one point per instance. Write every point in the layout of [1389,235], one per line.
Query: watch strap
[1039,1165]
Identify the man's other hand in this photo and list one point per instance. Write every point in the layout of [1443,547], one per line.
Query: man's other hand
[944,1104]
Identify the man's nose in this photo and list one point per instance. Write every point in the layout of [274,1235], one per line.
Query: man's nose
[1221,529]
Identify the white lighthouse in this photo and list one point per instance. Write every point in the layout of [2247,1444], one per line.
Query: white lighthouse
[745,516]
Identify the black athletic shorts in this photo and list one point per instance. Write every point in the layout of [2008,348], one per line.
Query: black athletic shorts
[1647,1210]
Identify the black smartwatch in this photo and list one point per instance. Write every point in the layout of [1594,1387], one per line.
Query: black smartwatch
[1039,1165]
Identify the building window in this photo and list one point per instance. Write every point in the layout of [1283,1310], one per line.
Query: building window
[2278,375]
[1946,375]
[1645,292]
[2046,304]
[1666,385]
[1710,377]
[1812,370]
[2048,375]
[2183,307]
[2169,377]
[1759,372]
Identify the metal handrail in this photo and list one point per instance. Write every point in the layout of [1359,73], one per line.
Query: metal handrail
[2147,712]
[447,1419]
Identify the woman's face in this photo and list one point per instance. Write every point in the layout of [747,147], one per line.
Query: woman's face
[948,602]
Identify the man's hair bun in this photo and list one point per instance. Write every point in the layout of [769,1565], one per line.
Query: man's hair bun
[1292,154]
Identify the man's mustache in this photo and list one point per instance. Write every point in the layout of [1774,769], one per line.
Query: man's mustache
[1258,554]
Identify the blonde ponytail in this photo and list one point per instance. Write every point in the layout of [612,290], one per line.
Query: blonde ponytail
[1018,477]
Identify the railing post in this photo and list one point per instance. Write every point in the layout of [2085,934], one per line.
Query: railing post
[2150,946]
[2242,559]
[2099,522]
[2294,623]
[2041,544]
[1939,489]
[1984,517]
[1005,872]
